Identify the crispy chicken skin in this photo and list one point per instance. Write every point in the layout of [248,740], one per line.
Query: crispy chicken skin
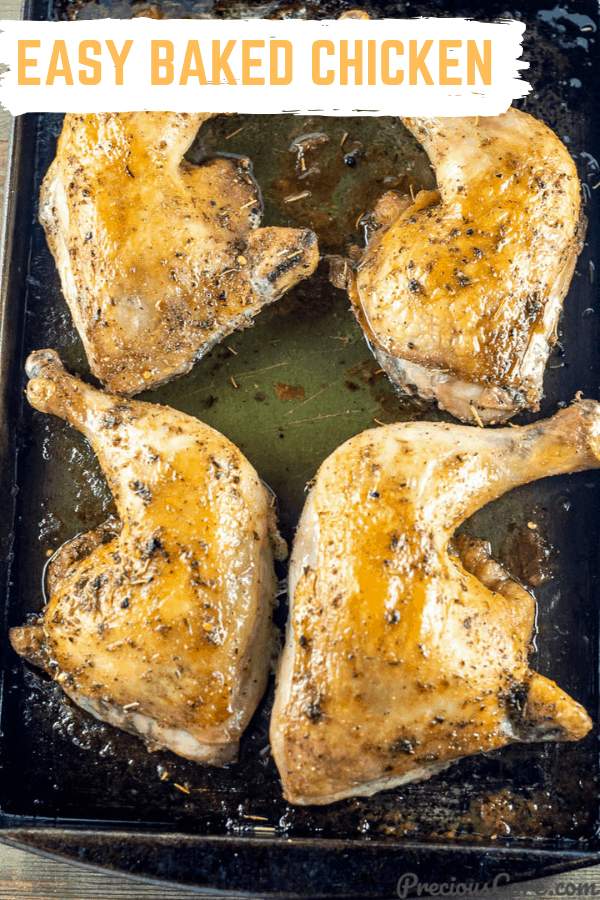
[159,259]
[160,622]
[401,653]
[459,293]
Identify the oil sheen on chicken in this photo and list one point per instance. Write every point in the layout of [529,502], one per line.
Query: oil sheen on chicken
[403,653]
[459,292]
[160,622]
[159,259]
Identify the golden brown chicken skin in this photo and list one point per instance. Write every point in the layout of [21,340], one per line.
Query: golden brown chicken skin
[160,622]
[460,292]
[402,654]
[159,259]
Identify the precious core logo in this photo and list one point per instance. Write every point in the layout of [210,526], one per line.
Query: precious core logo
[409,882]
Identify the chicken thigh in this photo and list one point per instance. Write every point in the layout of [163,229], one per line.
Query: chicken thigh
[402,656]
[459,292]
[159,259]
[160,623]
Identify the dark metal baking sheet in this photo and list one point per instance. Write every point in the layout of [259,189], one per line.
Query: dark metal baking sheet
[75,787]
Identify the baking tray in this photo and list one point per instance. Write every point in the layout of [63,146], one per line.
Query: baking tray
[288,391]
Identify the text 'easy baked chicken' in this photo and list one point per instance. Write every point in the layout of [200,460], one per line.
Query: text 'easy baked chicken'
[160,623]
[159,259]
[400,655]
[459,292]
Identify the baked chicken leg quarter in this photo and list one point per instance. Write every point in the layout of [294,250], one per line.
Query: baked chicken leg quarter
[460,292]
[400,655]
[160,623]
[159,259]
